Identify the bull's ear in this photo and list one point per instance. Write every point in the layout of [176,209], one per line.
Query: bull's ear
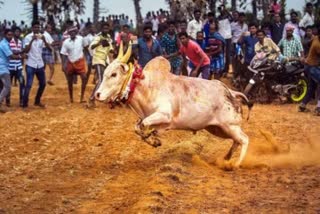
[125,68]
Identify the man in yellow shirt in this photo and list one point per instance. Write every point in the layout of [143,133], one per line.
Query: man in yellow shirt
[101,46]
[266,45]
[312,67]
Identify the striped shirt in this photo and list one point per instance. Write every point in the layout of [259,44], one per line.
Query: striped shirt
[15,64]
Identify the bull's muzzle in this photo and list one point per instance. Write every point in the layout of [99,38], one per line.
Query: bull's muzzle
[97,95]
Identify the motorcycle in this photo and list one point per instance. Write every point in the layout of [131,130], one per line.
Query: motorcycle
[273,79]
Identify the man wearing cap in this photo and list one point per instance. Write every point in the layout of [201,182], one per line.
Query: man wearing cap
[73,61]
[294,22]
[291,47]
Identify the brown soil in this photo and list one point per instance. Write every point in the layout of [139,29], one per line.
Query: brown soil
[68,159]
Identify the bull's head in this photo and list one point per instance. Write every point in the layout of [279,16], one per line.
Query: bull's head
[115,77]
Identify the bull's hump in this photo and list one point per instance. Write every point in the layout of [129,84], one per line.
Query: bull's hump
[158,64]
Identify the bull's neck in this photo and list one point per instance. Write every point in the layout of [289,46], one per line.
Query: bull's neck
[139,101]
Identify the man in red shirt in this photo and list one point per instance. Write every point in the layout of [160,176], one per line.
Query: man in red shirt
[197,56]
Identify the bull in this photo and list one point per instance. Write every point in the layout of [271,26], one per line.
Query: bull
[164,101]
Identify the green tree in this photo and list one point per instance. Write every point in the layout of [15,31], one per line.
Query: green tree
[139,19]
[96,11]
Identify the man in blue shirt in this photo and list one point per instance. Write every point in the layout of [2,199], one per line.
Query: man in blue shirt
[5,55]
[206,27]
[148,47]
[249,41]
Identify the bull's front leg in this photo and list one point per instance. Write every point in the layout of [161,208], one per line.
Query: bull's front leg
[148,130]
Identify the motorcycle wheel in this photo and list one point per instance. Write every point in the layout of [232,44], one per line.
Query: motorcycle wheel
[300,92]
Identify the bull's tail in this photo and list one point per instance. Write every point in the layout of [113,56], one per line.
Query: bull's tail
[237,94]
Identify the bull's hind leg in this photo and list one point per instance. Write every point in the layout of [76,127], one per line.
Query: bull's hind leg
[233,148]
[238,136]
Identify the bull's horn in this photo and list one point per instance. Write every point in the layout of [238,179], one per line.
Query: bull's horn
[127,56]
[120,54]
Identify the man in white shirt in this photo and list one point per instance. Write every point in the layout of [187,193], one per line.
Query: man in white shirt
[88,40]
[308,18]
[195,25]
[225,19]
[155,25]
[73,61]
[47,53]
[34,43]
[238,28]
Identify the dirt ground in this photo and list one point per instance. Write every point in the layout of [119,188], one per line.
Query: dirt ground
[69,159]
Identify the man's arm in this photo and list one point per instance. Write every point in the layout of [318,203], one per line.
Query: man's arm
[195,72]
[8,52]
[45,42]
[28,44]
[159,49]
[241,39]
[95,43]
[64,57]
[300,48]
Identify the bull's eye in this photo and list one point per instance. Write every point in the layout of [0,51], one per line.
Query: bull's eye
[114,75]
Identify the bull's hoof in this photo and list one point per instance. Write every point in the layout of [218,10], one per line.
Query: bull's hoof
[156,143]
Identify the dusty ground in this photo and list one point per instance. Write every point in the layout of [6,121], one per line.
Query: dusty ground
[68,159]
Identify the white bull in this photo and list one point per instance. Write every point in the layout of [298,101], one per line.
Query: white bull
[164,101]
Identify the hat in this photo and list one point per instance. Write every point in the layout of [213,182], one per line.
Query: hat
[290,27]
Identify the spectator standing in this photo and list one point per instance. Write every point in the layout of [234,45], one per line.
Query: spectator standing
[195,25]
[313,71]
[73,61]
[34,43]
[88,52]
[277,28]
[293,21]
[170,45]
[15,65]
[307,40]
[206,27]
[214,49]
[225,30]
[275,7]
[101,47]
[200,40]
[47,53]
[5,55]
[126,30]
[249,40]
[148,47]
[183,26]
[155,24]
[308,18]
[237,28]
